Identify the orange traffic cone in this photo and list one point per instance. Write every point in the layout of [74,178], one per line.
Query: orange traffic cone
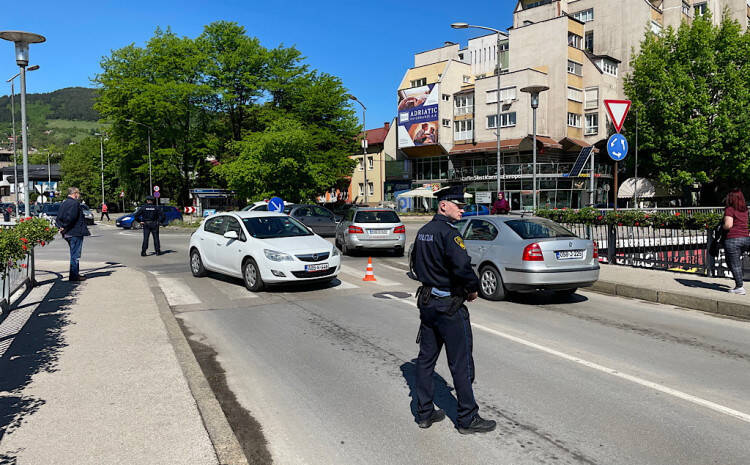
[369,275]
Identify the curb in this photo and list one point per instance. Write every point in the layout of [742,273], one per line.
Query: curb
[719,307]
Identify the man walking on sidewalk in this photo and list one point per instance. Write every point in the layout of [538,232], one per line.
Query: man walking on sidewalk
[105,211]
[72,224]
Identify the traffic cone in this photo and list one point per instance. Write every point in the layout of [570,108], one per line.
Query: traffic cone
[369,275]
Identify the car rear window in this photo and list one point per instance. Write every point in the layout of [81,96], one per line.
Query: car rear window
[376,216]
[537,228]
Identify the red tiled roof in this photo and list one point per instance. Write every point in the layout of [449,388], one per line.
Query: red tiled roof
[376,136]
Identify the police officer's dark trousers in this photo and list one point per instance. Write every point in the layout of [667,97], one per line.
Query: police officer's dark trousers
[438,328]
[150,228]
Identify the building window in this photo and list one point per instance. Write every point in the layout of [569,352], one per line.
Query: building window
[574,120]
[589,42]
[700,8]
[575,68]
[655,27]
[575,41]
[592,124]
[609,67]
[370,188]
[584,16]
[591,96]
[507,120]
[467,79]
[575,95]
[446,123]
[446,98]
[464,129]
[506,93]
[464,104]
[360,165]
[419,82]
[361,188]
[685,9]
[370,164]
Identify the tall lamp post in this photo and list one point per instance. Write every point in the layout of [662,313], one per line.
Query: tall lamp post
[150,179]
[498,67]
[13,126]
[364,142]
[22,41]
[101,154]
[534,91]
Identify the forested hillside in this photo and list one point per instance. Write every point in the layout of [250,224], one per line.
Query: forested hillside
[71,103]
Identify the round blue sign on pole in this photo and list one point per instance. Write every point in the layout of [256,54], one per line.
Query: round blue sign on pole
[157,194]
[276,205]
[617,147]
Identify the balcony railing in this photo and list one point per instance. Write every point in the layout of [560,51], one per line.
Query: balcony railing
[459,111]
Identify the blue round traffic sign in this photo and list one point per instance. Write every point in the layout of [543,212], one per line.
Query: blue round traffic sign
[276,205]
[617,147]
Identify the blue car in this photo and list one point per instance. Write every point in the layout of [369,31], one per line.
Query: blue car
[476,210]
[170,214]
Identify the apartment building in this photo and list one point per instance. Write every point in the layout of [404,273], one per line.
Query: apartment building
[381,147]
[579,49]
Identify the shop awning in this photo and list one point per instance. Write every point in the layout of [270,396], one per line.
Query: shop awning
[425,192]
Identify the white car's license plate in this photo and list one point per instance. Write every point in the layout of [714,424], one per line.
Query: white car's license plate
[569,254]
[318,267]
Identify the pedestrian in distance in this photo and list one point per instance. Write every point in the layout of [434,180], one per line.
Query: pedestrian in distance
[738,238]
[71,222]
[501,205]
[6,214]
[150,216]
[442,265]
[105,212]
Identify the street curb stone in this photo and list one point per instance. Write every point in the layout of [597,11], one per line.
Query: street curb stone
[719,307]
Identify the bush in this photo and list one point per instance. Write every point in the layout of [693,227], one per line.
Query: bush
[640,218]
[17,242]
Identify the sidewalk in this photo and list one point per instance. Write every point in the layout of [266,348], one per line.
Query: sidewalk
[99,373]
[689,290]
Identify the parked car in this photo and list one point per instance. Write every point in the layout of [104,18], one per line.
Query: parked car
[320,219]
[345,207]
[526,254]
[49,211]
[88,214]
[256,206]
[476,210]
[262,248]
[170,214]
[365,228]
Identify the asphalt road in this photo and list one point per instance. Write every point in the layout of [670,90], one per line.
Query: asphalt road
[327,372]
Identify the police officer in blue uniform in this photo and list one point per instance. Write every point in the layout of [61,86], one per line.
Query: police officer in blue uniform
[150,216]
[444,268]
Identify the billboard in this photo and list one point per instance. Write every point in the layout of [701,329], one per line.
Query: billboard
[418,116]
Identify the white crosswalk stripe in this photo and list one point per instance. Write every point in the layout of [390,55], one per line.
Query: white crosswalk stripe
[378,281]
[177,291]
[234,291]
[344,285]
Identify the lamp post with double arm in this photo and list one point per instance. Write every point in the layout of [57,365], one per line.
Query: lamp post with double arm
[364,144]
[534,91]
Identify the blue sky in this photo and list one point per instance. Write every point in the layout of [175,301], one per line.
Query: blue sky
[368,45]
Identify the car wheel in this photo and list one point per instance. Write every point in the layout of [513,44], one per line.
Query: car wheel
[337,242]
[196,264]
[566,292]
[398,252]
[135,225]
[491,283]
[344,249]
[251,276]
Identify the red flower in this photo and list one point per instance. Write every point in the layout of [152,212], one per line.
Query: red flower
[599,218]
[28,217]
[24,247]
[636,223]
[619,224]
[23,265]
[24,240]
[20,220]
[646,216]
[46,229]
[43,244]
[677,214]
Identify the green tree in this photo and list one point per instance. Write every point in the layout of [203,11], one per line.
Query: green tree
[691,88]
[80,167]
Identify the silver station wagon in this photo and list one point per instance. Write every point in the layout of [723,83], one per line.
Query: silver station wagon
[524,254]
[367,228]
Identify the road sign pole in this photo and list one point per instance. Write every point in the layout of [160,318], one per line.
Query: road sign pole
[615,202]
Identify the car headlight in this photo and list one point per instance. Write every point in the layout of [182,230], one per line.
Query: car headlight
[275,256]
[126,218]
[335,252]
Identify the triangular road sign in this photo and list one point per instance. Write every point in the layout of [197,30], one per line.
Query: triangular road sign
[617,110]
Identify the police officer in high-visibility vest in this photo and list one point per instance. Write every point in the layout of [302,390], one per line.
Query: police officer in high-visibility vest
[444,268]
[150,216]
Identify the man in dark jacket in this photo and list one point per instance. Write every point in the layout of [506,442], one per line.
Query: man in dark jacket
[443,266]
[150,216]
[72,224]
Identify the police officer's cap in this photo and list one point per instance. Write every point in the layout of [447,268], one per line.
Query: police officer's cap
[453,194]
[149,197]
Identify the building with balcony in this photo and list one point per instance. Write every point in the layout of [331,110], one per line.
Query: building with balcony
[580,49]
[381,147]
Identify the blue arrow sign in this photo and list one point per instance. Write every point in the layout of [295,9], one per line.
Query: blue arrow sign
[276,205]
[617,147]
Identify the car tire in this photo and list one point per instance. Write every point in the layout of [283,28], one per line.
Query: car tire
[136,225]
[251,276]
[491,285]
[398,252]
[337,242]
[344,249]
[196,264]
[566,292]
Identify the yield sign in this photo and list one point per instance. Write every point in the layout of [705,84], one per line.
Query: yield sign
[617,110]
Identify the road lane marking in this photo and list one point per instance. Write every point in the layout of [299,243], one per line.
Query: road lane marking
[379,281]
[344,285]
[177,291]
[233,291]
[400,270]
[617,373]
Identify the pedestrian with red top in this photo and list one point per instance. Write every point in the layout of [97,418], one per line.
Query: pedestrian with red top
[738,238]
[105,211]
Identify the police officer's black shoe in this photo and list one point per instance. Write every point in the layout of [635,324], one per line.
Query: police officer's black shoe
[159,252]
[478,425]
[143,254]
[437,415]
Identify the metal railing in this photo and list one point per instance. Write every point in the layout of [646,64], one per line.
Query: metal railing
[22,275]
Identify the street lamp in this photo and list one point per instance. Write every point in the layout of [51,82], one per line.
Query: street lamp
[364,141]
[497,116]
[101,154]
[13,125]
[534,91]
[22,41]
[150,180]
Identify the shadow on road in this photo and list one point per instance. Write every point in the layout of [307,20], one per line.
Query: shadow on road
[36,347]
[703,285]
[443,399]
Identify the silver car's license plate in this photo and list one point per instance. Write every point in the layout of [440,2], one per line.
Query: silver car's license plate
[377,232]
[318,267]
[569,254]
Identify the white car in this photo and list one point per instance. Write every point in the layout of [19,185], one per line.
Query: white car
[262,248]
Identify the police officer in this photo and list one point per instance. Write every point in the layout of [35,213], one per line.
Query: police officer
[444,268]
[150,216]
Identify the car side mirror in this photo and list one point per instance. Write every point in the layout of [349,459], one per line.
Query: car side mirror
[231,235]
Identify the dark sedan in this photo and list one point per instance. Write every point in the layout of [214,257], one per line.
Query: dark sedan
[320,219]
